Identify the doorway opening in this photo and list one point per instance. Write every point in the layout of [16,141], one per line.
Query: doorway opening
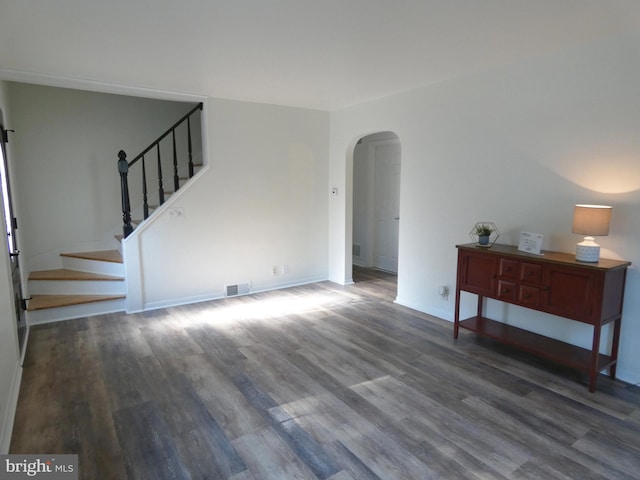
[376,203]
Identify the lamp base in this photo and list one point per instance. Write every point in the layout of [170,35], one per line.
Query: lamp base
[588,251]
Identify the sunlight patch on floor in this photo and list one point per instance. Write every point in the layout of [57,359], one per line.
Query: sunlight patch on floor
[252,308]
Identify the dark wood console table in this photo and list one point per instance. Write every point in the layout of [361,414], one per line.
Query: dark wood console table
[553,283]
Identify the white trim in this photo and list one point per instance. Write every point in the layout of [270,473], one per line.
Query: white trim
[95,85]
[10,411]
[25,343]
[629,376]
[176,302]
[424,308]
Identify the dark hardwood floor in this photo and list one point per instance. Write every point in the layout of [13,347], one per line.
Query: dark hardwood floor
[319,381]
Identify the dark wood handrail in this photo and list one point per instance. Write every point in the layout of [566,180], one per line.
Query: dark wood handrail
[161,137]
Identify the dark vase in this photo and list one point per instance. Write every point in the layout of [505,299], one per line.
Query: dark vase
[483,239]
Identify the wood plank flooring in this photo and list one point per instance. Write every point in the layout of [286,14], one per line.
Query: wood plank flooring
[313,382]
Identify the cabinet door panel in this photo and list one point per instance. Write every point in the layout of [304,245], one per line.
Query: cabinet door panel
[569,292]
[478,274]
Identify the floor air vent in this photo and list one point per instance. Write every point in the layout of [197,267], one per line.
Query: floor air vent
[235,290]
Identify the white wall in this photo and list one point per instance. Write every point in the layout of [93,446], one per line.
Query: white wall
[261,202]
[9,360]
[65,148]
[517,146]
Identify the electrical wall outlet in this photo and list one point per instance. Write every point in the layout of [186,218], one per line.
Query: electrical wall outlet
[443,290]
[274,270]
[177,212]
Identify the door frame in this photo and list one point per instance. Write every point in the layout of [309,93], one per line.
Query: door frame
[20,321]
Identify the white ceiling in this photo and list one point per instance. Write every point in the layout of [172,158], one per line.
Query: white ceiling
[322,54]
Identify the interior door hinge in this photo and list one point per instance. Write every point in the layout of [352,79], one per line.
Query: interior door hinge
[23,303]
[14,223]
[5,135]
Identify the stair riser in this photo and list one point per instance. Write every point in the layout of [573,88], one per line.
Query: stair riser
[93,266]
[49,315]
[76,287]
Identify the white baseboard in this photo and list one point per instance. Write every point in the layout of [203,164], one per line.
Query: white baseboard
[628,375]
[219,295]
[10,412]
[428,309]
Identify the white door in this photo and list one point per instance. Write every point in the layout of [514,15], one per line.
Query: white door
[387,205]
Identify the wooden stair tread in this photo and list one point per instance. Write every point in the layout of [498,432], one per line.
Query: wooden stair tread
[40,302]
[66,274]
[112,256]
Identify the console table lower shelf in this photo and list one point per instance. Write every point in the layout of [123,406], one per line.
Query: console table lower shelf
[560,352]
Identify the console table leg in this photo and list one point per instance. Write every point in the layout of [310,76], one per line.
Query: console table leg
[595,352]
[614,347]
[456,320]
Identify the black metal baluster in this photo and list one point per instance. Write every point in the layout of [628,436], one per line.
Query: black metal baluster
[160,181]
[176,178]
[190,150]
[145,201]
[123,168]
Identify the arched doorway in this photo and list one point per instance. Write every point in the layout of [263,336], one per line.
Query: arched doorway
[376,202]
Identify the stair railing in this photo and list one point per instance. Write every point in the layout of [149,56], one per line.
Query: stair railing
[124,166]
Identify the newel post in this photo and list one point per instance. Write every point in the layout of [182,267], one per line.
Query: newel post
[123,168]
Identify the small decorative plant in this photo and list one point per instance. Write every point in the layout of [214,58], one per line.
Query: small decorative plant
[483,230]
[484,234]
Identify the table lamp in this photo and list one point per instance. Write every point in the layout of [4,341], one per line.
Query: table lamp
[592,221]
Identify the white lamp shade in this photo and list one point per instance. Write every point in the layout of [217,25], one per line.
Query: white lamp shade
[592,220]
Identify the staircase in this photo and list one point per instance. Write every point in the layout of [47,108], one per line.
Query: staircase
[90,283]
[93,283]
